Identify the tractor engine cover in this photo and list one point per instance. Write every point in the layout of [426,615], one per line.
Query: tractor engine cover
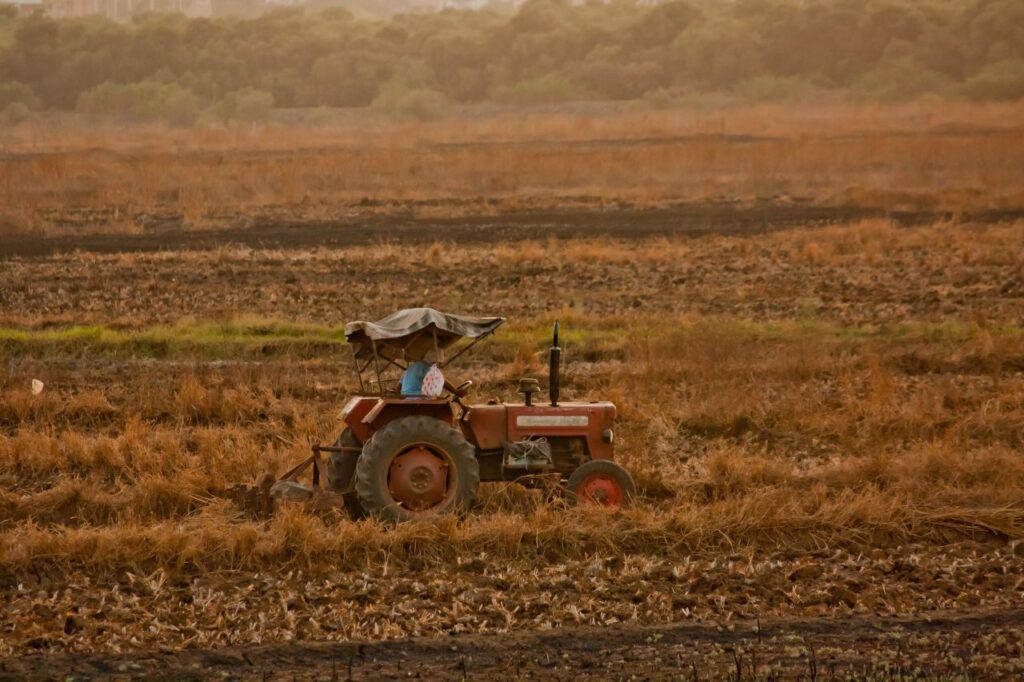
[489,427]
[590,422]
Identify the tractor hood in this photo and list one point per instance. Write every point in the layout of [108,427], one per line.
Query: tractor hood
[412,332]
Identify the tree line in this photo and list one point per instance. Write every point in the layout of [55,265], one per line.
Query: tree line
[169,67]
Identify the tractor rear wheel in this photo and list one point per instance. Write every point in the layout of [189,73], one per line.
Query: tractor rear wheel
[601,482]
[340,470]
[414,467]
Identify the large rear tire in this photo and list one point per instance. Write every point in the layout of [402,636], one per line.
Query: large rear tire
[601,482]
[340,471]
[415,467]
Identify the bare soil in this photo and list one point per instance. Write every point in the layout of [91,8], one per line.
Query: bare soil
[400,224]
[948,271]
[938,645]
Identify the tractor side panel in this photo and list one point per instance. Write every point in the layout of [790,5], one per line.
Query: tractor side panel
[589,421]
[486,426]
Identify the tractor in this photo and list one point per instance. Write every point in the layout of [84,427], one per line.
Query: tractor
[401,457]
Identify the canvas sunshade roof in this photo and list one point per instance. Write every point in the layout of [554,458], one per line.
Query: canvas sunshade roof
[410,333]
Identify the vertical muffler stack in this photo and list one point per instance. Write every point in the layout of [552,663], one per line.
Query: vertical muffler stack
[554,362]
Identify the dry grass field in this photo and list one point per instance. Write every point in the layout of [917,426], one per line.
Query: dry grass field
[948,157]
[823,421]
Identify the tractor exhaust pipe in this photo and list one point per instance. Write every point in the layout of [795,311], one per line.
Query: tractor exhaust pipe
[554,361]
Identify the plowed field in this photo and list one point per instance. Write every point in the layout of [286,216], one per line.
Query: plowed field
[822,405]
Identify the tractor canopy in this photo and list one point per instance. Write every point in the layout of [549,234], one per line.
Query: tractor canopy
[409,334]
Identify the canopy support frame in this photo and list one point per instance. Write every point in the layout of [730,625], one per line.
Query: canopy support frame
[399,345]
[462,350]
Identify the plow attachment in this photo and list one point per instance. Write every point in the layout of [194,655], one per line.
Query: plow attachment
[259,501]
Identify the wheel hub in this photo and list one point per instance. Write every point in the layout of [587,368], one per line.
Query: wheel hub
[418,479]
[602,490]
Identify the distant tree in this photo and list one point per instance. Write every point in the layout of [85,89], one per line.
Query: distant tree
[352,78]
[456,60]
[181,107]
[1002,80]
[144,101]
[610,72]
[33,57]
[901,80]
[550,88]
[246,105]
[661,25]
[421,104]
[14,114]
[717,55]
[996,30]
[141,101]
[13,92]
[773,88]
[547,51]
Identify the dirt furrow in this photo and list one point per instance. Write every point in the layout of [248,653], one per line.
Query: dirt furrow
[937,644]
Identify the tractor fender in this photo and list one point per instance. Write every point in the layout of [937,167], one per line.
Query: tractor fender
[366,415]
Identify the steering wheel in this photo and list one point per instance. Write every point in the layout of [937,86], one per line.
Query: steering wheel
[463,388]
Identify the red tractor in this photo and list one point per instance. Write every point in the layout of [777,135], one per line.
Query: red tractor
[406,456]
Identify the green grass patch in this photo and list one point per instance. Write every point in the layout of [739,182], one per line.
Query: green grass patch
[203,341]
[588,338]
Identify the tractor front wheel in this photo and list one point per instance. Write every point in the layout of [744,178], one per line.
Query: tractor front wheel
[601,482]
[414,467]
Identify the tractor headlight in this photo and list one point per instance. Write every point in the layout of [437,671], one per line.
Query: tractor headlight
[608,436]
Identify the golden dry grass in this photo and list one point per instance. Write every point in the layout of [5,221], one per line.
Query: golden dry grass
[952,157]
[739,436]
[847,398]
[784,469]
